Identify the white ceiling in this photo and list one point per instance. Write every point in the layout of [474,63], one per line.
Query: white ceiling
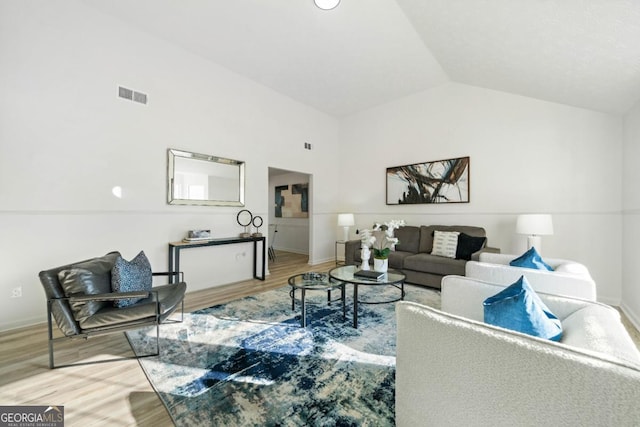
[584,53]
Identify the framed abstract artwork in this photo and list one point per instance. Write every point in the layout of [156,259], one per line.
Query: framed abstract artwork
[292,201]
[440,181]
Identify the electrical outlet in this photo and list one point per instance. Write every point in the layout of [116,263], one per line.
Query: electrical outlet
[16,292]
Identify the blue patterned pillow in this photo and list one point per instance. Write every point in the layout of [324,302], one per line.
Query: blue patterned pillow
[519,308]
[531,259]
[129,276]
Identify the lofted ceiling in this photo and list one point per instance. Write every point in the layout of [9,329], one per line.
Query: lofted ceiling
[584,53]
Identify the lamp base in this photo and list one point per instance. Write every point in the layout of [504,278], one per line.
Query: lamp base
[534,241]
[346,234]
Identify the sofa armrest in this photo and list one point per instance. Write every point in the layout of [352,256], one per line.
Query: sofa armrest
[438,352]
[351,248]
[463,296]
[487,249]
[178,274]
[551,282]
[112,296]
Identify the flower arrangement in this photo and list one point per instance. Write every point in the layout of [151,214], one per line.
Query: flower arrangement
[380,239]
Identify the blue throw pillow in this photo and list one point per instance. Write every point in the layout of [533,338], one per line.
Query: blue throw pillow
[531,259]
[519,308]
[129,276]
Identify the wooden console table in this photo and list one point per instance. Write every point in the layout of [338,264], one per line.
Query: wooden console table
[176,247]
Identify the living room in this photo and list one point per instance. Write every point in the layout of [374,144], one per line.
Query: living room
[67,140]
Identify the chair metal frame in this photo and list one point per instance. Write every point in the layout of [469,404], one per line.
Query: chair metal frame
[156,321]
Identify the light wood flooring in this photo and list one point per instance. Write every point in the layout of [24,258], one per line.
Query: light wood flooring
[115,393]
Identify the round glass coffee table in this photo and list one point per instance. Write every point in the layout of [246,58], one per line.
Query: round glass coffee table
[316,282]
[346,273]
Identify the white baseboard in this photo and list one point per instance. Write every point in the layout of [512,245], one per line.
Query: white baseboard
[23,323]
[292,250]
[633,317]
[320,261]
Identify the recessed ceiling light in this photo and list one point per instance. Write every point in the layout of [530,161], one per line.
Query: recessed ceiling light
[326,4]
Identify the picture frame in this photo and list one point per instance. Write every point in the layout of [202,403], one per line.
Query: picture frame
[434,182]
[292,201]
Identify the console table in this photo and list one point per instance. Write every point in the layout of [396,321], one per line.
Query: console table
[176,247]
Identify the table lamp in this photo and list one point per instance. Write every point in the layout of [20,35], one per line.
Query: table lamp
[534,226]
[346,220]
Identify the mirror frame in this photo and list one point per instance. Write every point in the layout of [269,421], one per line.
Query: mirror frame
[172,154]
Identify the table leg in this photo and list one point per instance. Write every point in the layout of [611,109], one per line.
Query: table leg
[176,265]
[170,265]
[344,306]
[293,298]
[264,261]
[255,259]
[304,316]
[355,305]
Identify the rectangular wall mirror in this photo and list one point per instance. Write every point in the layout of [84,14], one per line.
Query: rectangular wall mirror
[200,179]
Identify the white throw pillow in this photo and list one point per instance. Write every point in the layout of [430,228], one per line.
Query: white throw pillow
[445,243]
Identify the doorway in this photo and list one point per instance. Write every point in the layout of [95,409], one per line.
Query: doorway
[289,217]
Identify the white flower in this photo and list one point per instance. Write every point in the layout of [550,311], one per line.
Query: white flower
[382,234]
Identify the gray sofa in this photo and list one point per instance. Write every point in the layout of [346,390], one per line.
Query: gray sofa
[413,257]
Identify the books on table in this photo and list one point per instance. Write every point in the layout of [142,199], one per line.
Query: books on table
[369,274]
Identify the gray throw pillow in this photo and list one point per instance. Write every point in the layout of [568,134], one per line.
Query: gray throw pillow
[130,276]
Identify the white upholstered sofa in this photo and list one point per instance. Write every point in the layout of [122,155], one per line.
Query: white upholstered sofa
[452,369]
[569,278]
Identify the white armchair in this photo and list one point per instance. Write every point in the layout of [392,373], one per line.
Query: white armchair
[569,278]
[453,369]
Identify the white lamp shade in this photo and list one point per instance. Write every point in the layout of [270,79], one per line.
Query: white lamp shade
[534,224]
[346,220]
[326,4]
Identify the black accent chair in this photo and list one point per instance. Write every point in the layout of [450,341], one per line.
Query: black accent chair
[87,308]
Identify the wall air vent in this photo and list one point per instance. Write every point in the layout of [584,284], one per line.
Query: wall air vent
[140,97]
[125,93]
[132,95]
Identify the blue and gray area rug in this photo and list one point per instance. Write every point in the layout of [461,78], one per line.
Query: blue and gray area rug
[249,363]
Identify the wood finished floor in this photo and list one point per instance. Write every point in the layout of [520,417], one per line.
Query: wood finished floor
[116,393]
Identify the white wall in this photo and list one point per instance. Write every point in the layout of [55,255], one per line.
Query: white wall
[631,216]
[527,156]
[293,233]
[66,139]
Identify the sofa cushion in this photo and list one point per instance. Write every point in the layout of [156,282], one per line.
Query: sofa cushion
[598,328]
[426,234]
[531,259]
[519,308]
[88,278]
[111,316]
[427,263]
[396,259]
[468,245]
[445,243]
[408,238]
[573,268]
[129,276]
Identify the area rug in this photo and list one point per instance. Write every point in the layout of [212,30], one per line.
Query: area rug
[250,363]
